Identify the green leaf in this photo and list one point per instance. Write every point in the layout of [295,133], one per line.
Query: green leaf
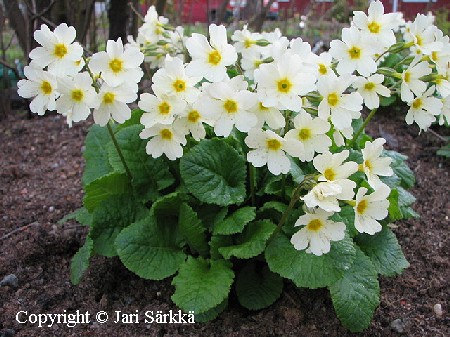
[113,183]
[405,201]
[308,270]
[215,173]
[444,151]
[347,216]
[80,261]
[149,175]
[216,242]
[235,222]
[136,115]
[296,172]
[384,252]
[212,313]
[357,294]
[401,169]
[81,215]
[96,154]
[257,288]
[149,250]
[192,229]
[394,210]
[201,284]
[109,218]
[272,210]
[251,242]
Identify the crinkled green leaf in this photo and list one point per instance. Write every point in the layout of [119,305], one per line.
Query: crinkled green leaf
[218,241]
[96,154]
[356,295]
[251,242]
[257,287]
[401,169]
[309,270]
[81,215]
[150,175]
[201,284]
[80,261]
[384,252]
[192,230]
[235,222]
[113,183]
[149,249]
[394,210]
[214,173]
[109,218]
[405,202]
[212,313]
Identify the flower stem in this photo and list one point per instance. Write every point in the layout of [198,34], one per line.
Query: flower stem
[363,126]
[251,172]
[119,151]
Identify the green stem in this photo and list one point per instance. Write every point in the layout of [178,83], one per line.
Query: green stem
[363,126]
[119,151]
[251,172]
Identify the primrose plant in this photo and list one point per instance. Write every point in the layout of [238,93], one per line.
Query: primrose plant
[247,164]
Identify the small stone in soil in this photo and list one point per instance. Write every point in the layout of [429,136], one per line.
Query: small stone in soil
[398,325]
[10,280]
[438,309]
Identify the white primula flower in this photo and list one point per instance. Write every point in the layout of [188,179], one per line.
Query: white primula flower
[191,120]
[267,148]
[251,60]
[228,105]
[209,60]
[325,196]
[441,57]
[317,232]
[373,164]
[443,82]
[369,88]
[153,27]
[167,139]
[41,86]
[411,82]
[112,102]
[370,208]
[335,103]
[173,81]
[272,116]
[424,109]
[159,110]
[281,83]
[311,133]
[422,32]
[59,51]
[303,49]
[77,97]
[354,52]
[323,64]
[376,25]
[117,64]
[244,40]
[445,114]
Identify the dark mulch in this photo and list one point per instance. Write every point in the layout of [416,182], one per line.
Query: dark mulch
[40,170]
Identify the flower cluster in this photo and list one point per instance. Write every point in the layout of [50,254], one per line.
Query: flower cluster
[287,103]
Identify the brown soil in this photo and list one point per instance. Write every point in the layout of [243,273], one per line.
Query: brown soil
[40,171]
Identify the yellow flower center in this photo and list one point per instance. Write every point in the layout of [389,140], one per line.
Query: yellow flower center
[248,43]
[164,108]
[116,65]
[354,52]
[407,76]
[273,144]
[434,56]
[304,134]
[60,50]
[257,63]
[369,86]
[284,85]
[417,103]
[419,40]
[329,174]
[179,85]
[262,107]
[214,57]
[77,95]
[314,225]
[333,99]
[368,164]
[166,134]
[230,106]
[108,98]
[374,27]
[193,116]
[46,87]
[322,69]
[362,206]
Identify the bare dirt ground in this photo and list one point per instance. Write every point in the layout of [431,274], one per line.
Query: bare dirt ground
[40,172]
